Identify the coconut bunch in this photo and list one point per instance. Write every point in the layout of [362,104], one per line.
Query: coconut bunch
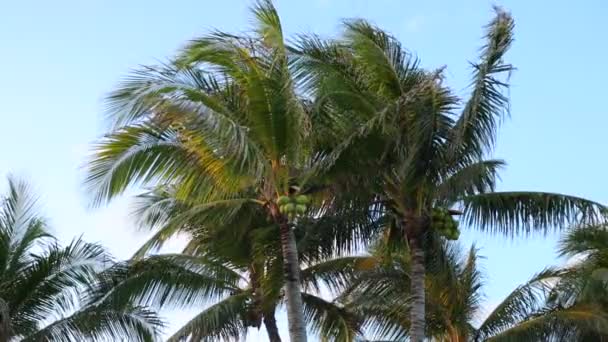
[293,205]
[444,224]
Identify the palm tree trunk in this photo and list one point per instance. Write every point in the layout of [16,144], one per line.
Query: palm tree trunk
[270,322]
[5,321]
[417,311]
[293,296]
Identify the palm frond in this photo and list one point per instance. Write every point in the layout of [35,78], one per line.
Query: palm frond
[21,226]
[167,280]
[586,239]
[335,274]
[49,285]
[520,304]
[35,234]
[556,324]
[326,70]
[470,289]
[338,232]
[169,217]
[103,323]
[479,177]
[274,116]
[221,321]
[18,206]
[268,24]
[330,320]
[381,56]
[142,93]
[145,153]
[512,213]
[475,130]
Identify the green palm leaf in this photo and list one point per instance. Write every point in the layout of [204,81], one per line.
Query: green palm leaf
[334,274]
[556,325]
[48,285]
[513,213]
[101,323]
[168,281]
[222,320]
[330,319]
[475,130]
[43,286]
[479,177]
[520,304]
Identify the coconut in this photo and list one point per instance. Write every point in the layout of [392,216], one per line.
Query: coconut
[283,200]
[302,199]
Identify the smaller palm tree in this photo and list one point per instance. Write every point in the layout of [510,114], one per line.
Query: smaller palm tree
[230,296]
[49,292]
[453,292]
[557,304]
[233,267]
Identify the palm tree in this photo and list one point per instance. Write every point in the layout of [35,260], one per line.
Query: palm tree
[415,149]
[46,291]
[232,296]
[542,309]
[453,292]
[559,304]
[235,266]
[222,124]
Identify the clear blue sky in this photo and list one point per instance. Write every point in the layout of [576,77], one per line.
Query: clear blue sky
[58,58]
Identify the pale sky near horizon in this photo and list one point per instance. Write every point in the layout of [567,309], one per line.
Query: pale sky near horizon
[58,59]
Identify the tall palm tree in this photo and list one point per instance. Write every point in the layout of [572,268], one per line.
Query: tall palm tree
[416,146]
[47,291]
[222,124]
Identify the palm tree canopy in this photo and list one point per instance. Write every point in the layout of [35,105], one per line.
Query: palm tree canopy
[430,146]
[220,118]
[46,288]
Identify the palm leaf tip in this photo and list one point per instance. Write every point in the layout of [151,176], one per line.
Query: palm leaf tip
[500,29]
[268,23]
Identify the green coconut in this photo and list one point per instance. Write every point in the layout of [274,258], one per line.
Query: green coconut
[283,200]
[290,208]
[302,199]
[300,208]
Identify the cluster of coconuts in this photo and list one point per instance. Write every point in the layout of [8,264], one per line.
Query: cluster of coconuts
[444,224]
[293,205]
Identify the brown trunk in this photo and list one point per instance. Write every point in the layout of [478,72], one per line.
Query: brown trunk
[5,321]
[454,335]
[255,312]
[291,273]
[270,322]
[293,295]
[417,279]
